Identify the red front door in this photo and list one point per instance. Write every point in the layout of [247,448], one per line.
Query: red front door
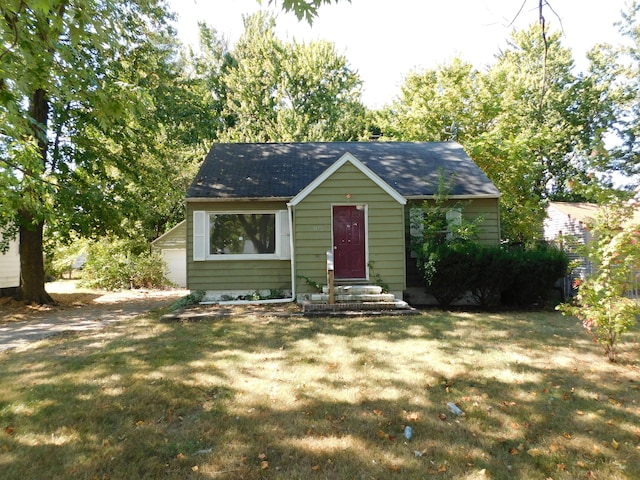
[349,242]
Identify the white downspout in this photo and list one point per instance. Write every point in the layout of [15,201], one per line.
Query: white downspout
[293,253]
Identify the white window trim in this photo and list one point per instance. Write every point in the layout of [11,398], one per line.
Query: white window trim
[453,217]
[201,251]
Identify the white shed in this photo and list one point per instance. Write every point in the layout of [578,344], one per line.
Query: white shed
[10,268]
[173,248]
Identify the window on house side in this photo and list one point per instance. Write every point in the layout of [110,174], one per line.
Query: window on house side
[242,234]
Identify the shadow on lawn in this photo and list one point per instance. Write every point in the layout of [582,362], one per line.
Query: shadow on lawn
[323,398]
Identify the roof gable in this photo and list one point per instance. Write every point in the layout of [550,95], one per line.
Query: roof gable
[347,157]
[270,171]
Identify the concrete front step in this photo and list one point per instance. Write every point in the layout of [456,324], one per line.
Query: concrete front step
[319,308]
[354,298]
[354,289]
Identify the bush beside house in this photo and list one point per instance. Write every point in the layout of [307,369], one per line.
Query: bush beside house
[518,277]
[121,264]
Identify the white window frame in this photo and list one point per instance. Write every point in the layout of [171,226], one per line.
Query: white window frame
[453,217]
[202,244]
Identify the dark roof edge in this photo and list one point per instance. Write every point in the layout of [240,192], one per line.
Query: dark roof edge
[236,199]
[468,196]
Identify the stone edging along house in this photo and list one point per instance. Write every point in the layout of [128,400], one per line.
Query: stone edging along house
[261,217]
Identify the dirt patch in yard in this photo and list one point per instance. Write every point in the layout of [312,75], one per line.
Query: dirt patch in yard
[73,300]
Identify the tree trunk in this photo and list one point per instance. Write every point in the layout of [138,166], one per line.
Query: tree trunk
[31,223]
[32,264]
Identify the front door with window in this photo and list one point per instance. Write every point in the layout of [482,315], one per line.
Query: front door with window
[349,239]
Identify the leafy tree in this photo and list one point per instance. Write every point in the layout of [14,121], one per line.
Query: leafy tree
[65,108]
[628,65]
[289,92]
[307,9]
[450,102]
[204,71]
[602,303]
[534,127]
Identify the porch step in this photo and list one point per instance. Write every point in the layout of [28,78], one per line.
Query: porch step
[354,297]
[354,289]
[351,299]
[356,308]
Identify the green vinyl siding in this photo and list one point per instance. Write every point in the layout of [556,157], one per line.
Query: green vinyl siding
[385,222]
[234,274]
[487,208]
[175,238]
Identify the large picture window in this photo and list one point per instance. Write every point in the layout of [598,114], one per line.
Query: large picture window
[258,235]
[242,234]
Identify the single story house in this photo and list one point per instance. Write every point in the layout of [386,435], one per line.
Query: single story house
[172,245]
[10,269]
[265,217]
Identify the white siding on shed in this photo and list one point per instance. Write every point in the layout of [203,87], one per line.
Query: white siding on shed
[176,260]
[10,266]
[173,248]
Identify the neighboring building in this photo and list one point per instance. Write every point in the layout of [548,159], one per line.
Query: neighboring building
[566,225]
[569,219]
[262,217]
[173,248]
[10,269]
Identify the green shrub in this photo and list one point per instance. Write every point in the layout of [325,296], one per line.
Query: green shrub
[535,272]
[492,271]
[493,275]
[115,264]
[602,303]
[446,271]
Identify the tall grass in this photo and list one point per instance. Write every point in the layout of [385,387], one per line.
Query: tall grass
[259,397]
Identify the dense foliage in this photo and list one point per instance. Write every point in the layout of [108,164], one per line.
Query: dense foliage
[115,264]
[493,276]
[603,303]
[104,117]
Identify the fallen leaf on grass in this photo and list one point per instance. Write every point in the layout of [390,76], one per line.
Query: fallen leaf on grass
[614,444]
[181,456]
[315,468]
[380,434]
[9,430]
[534,452]
[194,468]
[413,416]
[514,451]
[442,469]
[262,456]
[442,416]
[378,412]
[393,468]
[264,465]
[567,436]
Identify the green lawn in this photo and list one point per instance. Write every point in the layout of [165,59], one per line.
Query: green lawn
[252,397]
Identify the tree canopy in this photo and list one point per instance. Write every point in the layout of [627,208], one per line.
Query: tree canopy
[104,116]
[71,91]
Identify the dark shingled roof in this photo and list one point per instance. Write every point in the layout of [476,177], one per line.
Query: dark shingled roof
[282,170]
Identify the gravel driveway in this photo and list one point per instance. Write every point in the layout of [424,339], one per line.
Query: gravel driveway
[79,310]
